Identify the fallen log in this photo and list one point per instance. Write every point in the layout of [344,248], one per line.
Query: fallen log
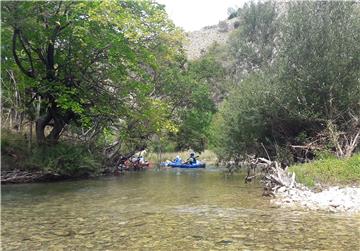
[18,176]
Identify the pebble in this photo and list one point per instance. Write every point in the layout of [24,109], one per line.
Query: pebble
[85,232]
[333,199]
[225,242]
[62,233]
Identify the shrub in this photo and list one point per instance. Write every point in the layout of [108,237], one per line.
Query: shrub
[63,158]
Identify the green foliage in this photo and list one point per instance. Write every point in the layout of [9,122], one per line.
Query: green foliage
[320,59]
[242,121]
[113,69]
[187,91]
[293,73]
[12,142]
[251,46]
[64,158]
[329,171]
[92,63]
[210,71]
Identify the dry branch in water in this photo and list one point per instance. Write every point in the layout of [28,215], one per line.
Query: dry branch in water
[275,177]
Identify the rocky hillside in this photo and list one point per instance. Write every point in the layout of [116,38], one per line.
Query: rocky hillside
[199,41]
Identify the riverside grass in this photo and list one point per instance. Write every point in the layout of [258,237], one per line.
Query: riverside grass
[329,171]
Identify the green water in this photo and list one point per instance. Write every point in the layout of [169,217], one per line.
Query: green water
[166,210]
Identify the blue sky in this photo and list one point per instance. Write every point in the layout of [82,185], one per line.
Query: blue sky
[194,14]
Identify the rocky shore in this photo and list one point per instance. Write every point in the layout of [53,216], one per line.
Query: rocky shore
[282,185]
[332,199]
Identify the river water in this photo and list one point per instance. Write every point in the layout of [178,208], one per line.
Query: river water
[164,210]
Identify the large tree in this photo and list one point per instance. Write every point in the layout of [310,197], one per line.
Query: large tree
[88,62]
[319,70]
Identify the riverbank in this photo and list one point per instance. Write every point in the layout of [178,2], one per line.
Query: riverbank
[332,199]
[17,176]
[329,171]
[24,163]
[331,185]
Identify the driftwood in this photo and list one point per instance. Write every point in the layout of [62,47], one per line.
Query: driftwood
[276,178]
[255,167]
[273,176]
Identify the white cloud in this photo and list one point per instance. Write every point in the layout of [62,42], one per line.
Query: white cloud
[195,14]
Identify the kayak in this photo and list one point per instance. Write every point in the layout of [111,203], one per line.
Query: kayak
[182,165]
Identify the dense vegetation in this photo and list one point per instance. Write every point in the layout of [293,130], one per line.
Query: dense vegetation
[295,82]
[110,78]
[107,75]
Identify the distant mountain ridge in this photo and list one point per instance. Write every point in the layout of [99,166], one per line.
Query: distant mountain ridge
[199,41]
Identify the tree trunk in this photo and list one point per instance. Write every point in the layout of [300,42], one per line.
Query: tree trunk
[54,135]
[41,123]
[30,135]
[11,119]
[58,124]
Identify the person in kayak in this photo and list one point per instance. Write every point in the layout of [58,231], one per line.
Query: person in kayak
[191,159]
[177,159]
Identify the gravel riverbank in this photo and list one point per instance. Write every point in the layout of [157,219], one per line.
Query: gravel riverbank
[333,199]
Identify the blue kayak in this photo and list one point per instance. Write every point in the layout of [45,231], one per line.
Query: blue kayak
[182,165]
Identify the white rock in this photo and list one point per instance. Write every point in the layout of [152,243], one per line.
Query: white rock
[333,199]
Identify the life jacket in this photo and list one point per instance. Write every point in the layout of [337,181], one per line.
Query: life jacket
[192,160]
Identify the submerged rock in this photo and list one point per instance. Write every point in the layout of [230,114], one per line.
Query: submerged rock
[225,242]
[62,233]
[86,232]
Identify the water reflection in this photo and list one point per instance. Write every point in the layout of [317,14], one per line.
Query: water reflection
[167,210]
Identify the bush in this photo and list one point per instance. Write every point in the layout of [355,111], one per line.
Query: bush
[63,158]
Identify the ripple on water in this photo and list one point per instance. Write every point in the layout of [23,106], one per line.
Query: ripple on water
[164,211]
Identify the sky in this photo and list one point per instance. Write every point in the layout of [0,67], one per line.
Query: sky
[194,14]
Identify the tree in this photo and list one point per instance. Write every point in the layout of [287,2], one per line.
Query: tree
[253,46]
[90,63]
[319,64]
[242,123]
[189,98]
[295,83]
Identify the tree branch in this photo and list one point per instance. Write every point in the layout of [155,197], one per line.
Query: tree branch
[28,53]
[17,60]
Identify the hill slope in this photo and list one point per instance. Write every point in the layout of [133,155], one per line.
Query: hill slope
[199,41]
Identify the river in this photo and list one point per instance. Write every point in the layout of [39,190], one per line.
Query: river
[164,210]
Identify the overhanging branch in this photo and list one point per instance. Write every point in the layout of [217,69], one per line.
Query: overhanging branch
[17,60]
